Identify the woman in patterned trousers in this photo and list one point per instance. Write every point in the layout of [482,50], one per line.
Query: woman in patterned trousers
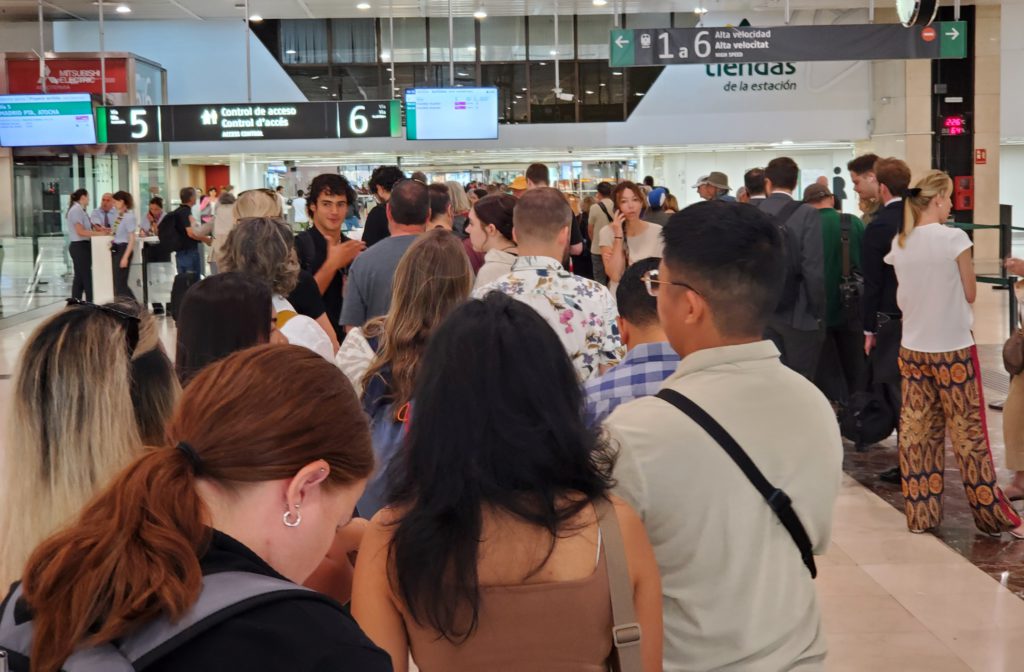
[942,393]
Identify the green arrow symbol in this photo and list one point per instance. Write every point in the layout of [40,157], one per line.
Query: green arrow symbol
[953,33]
[622,48]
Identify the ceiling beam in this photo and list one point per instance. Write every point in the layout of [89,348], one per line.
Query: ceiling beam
[61,9]
[186,10]
[306,9]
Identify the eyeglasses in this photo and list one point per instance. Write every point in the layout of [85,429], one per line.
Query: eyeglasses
[653,283]
[130,322]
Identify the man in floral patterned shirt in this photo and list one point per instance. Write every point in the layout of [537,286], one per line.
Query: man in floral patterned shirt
[582,312]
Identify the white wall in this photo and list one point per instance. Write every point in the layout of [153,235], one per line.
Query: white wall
[24,36]
[1011,91]
[205,60]
[1011,174]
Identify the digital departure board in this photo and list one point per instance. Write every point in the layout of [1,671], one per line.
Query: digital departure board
[46,120]
[249,121]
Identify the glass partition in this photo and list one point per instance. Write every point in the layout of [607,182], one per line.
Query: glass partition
[503,38]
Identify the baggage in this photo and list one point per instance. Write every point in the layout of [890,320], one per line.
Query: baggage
[790,246]
[223,596]
[182,283]
[870,415]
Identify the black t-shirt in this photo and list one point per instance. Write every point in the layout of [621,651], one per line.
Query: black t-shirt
[376,225]
[182,226]
[301,635]
[575,234]
[306,297]
[311,247]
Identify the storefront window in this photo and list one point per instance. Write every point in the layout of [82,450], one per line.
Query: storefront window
[503,38]
[303,41]
[354,40]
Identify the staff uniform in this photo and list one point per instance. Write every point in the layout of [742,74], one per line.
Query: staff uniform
[80,250]
[942,384]
[737,596]
[104,218]
[124,234]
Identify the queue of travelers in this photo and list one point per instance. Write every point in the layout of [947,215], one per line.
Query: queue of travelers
[571,516]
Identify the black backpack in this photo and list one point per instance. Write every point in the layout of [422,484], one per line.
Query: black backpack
[223,595]
[790,245]
[869,416]
[170,237]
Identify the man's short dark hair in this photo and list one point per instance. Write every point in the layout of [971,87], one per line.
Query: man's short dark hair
[649,181]
[157,201]
[299,192]
[636,305]
[410,203]
[863,164]
[440,199]
[753,180]
[783,173]
[894,174]
[279,188]
[419,176]
[538,173]
[187,195]
[605,189]
[330,184]
[541,214]
[385,177]
[732,254]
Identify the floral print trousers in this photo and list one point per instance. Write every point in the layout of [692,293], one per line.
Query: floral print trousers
[942,397]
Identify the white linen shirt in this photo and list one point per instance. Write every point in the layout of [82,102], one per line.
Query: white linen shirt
[735,592]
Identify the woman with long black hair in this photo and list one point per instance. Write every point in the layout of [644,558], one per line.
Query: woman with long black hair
[492,555]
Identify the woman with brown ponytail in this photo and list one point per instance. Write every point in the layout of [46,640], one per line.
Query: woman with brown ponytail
[939,366]
[254,482]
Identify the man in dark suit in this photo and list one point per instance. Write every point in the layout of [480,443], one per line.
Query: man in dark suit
[798,330]
[883,327]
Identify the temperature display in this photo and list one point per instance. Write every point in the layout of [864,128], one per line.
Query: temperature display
[954,125]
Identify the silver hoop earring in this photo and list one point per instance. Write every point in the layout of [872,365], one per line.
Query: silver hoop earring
[288,522]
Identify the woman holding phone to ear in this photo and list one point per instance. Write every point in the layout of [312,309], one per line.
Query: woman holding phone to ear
[628,238]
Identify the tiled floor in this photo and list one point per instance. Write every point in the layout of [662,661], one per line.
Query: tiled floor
[891,600]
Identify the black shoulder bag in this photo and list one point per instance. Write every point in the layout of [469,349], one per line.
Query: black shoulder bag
[778,500]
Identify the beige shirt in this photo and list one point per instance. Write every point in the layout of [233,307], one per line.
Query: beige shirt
[736,594]
[599,220]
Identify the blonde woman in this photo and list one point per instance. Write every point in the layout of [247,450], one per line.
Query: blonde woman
[264,247]
[223,221]
[460,207]
[381,359]
[92,388]
[939,366]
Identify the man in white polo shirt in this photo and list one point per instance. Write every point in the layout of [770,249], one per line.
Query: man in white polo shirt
[737,588]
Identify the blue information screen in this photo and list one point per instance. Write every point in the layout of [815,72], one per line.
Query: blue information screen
[46,120]
[451,114]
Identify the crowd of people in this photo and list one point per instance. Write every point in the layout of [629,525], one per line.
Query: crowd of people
[513,431]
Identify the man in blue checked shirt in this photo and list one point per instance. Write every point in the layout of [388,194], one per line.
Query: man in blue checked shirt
[650,359]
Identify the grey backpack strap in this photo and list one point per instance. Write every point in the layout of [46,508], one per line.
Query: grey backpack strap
[223,595]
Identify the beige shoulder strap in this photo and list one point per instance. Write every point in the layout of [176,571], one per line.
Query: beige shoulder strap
[625,628]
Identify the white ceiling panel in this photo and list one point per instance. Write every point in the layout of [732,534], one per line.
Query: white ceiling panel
[26,10]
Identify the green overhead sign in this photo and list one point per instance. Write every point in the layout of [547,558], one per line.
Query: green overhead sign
[782,44]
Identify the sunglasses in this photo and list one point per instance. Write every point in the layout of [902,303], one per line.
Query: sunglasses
[130,322]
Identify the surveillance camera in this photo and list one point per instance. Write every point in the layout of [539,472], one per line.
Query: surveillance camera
[567,97]
[569,149]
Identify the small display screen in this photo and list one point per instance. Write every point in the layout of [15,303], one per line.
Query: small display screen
[46,120]
[954,125]
[451,114]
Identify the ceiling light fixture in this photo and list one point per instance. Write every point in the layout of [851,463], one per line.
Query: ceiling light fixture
[124,9]
[700,10]
[256,18]
[290,52]
[324,88]
[600,3]
[589,93]
[363,6]
[480,13]
[617,73]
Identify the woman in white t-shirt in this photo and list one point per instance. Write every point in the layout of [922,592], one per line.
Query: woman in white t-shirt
[939,364]
[628,238]
[490,232]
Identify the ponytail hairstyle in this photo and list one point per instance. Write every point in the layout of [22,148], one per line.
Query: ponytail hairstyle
[133,553]
[497,210]
[76,196]
[935,183]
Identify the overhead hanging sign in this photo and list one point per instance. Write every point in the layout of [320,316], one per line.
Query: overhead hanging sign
[248,121]
[786,44]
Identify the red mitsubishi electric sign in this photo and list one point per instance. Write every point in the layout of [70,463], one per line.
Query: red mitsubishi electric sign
[65,75]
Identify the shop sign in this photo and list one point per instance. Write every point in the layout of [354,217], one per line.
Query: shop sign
[65,75]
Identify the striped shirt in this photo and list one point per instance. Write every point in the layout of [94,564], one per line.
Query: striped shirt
[640,374]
